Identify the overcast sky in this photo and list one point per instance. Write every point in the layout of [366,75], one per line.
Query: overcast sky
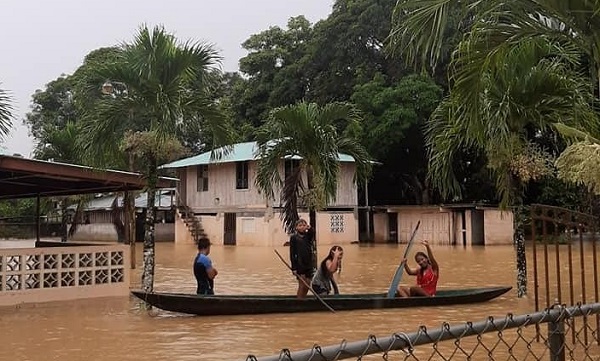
[43,39]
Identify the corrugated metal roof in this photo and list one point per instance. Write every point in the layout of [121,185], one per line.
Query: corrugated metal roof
[240,152]
[163,200]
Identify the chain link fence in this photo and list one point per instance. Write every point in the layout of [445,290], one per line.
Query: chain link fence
[571,333]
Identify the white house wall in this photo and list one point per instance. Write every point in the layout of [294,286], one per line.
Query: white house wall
[332,228]
[221,188]
[222,193]
[346,188]
[337,227]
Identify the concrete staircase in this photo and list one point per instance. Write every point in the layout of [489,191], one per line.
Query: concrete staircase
[192,222]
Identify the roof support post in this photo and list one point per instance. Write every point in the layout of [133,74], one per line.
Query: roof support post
[37,219]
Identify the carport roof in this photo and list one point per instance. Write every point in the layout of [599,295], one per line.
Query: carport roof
[25,178]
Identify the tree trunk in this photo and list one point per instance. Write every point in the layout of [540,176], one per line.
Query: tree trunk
[77,219]
[64,220]
[519,242]
[129,203]
[129,215]
[115,214]
[148,272]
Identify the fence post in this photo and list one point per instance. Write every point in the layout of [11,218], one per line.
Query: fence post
[556,336]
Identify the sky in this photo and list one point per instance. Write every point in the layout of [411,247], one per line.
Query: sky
[43,39]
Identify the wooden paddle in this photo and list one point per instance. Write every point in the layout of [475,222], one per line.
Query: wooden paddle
[399,271]
[306,284]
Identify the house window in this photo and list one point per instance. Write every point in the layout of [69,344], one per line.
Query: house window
[289,166]
[241,175]
[202,178]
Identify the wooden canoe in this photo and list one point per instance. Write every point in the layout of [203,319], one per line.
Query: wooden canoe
[259,304]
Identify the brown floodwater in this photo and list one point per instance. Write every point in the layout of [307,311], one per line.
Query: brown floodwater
[117,329]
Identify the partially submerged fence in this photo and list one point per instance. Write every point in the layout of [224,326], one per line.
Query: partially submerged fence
[565,241]
[511,338]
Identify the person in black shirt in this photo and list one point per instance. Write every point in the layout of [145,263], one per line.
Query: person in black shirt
[301,256]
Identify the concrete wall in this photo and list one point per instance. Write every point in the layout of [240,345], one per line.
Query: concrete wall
[105,232]
[269,231]
[499,227]
[32,275]
[337,228]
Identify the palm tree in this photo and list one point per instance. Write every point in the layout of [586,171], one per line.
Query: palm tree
[312,135]
[5,113]
[514,75]
[419,25]
[155,87]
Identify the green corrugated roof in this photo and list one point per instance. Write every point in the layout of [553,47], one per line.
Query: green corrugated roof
[240,152]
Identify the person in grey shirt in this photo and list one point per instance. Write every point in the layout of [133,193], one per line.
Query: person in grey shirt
[323,282]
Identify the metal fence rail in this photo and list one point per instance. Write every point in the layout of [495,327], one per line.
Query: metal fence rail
[470,341]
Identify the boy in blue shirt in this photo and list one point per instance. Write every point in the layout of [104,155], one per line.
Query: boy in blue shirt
[204,271]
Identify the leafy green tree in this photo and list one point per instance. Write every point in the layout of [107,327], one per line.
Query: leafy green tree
[347,49]
[274,70]
[159,85]
[311,132]
[231,94]
[395,114]
[52,109]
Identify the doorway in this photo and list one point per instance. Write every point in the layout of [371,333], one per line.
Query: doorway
[229,229]
[477,227]
[393,227]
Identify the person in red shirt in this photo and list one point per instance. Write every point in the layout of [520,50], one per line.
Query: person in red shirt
[427,274]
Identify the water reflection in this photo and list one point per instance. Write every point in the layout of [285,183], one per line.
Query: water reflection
[117,329]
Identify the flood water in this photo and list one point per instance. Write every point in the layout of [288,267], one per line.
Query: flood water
[117,329]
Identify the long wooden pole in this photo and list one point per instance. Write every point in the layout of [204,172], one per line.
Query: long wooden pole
[398,275]
[305,283]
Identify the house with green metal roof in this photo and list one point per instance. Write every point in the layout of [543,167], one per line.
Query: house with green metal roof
[218,193]
[240,152]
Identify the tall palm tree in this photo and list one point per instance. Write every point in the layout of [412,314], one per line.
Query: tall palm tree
[6,115]
[315,136]
[155,87]
[514,75]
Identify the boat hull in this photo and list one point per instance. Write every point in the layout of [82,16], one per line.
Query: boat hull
[259,304]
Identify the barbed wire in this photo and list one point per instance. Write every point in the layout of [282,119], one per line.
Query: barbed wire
[486,339]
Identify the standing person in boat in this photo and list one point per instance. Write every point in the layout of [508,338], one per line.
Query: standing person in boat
[323,281]
[301,256]
[427,274]
[204,271]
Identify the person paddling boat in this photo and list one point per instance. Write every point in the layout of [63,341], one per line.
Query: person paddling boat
[427,273]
